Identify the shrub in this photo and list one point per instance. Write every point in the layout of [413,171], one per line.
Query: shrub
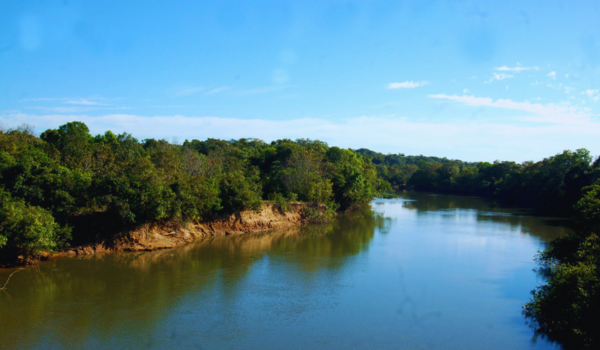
[28,230]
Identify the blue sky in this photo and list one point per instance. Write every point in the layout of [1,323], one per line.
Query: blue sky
[474,80]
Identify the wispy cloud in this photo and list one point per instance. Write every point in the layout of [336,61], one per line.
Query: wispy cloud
[88,101]
[75,109]
[189,91]
[593,94]
[543,113]
[61,109]
[407,85]
[42,99]
[264,90]
[517,69]
[83,101]
[552,75]
[506,72]
[499,76]
[218,90]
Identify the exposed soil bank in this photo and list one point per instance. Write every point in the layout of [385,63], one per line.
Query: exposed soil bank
[162,236]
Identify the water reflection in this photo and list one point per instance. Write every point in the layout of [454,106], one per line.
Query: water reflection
[72,302]
[520,220]
[422,271]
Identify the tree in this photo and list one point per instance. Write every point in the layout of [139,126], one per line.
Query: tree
[587,210]
[73,141]
[303,175]
[27,230]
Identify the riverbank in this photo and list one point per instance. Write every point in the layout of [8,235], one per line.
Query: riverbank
[153,236]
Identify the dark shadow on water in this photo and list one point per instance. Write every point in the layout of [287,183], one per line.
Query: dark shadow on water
[488,211]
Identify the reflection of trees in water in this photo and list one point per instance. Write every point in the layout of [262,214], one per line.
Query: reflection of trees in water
[485,211]
[95,297]
[422,201]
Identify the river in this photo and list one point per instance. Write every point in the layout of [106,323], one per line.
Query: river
[419,272]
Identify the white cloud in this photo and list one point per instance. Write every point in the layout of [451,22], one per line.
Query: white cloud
[593,94]
[83,101]
[544,113]
[499,76]
[407,85]
[552,75]
[90,101]
[75,109]
[517,69]
[61,109]
[466,139]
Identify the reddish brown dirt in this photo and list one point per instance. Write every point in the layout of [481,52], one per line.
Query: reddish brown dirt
[155,236]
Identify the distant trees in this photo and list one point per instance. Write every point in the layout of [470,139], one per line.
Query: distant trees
[554,184]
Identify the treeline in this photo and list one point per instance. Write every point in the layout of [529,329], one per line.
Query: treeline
[554,184]
[400,159]
[51,181]
[397,169]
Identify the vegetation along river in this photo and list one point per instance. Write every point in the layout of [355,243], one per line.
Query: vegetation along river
[419,272]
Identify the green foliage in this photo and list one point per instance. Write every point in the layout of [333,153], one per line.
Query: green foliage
[239,191]
[304,176]
[73,141]
[27,230]
[28,172]
[587,210]
[354,179]
[400,160]
[318,214]
[567,308]
[281,202]
[388,195]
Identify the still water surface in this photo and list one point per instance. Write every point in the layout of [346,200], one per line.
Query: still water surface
[420,272]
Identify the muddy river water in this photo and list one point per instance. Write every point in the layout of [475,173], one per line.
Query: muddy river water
[419,272]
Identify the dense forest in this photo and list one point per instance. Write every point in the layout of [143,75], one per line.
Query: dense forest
[50,182]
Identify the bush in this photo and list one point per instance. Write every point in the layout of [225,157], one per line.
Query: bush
[567,308]
[281,202]
[587,210]
[28,230]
